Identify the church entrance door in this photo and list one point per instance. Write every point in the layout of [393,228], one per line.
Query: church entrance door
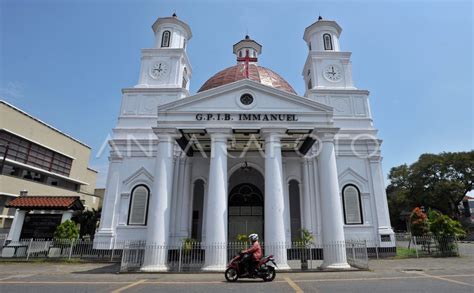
[245,211]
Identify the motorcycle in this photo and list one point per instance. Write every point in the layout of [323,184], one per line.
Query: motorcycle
[236,269]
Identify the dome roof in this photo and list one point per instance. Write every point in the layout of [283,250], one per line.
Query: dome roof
[257,73]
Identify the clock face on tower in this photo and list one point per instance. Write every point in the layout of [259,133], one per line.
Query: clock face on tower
[333,73]
[158,70]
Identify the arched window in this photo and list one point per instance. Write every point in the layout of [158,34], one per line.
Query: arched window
[352,205]
[138,209]
[295,210]
[185,78]
[198,209]
[327,42]
[165,39]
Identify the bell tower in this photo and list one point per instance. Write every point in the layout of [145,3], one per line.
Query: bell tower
[326,66]
[166,66]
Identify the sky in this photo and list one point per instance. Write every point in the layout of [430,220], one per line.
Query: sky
[65,62]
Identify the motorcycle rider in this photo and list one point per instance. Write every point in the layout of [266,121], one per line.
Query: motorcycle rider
[252,254]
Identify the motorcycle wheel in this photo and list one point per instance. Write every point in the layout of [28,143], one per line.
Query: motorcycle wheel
[270,275]
[231,275]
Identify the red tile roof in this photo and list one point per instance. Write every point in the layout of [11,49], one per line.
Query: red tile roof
[46,203]
[257,73]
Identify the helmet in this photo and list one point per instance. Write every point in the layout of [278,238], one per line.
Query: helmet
[253,237]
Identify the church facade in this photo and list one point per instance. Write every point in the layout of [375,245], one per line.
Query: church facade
[245,154]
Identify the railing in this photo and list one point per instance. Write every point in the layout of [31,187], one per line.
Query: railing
[419,246]
[191,256]
[27,249]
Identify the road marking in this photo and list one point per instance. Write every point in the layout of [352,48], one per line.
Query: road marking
[129,286]
[293,285]
[445,279]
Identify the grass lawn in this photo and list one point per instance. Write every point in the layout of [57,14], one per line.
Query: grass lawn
[405,252]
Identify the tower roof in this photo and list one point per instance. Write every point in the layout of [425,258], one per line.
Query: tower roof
[247,42]
[257,73]
[321,23]
[175,20]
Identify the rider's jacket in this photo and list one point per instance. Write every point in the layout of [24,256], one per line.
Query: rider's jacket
[255,250]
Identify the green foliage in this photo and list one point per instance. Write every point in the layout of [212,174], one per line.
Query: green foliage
[87,221]
[306,238]
[188,244]
[434,181]
[67,230]
[418,222]
[242,238]
[443,226]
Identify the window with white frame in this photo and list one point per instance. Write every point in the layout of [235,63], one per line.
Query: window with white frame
[138,208]
[327,42]
[352,205]
[165,39]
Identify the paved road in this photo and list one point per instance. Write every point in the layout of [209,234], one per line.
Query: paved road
[412,275]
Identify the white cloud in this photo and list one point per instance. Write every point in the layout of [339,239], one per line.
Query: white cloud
[12,90]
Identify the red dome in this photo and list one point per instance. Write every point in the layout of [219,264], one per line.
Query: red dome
[257,73]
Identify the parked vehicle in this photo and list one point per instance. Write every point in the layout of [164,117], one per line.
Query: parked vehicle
[236,269]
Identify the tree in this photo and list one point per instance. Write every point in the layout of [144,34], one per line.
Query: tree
[398,193]
[435,181]
[67,230]
[87,221]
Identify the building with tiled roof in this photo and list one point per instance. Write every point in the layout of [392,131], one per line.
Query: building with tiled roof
[37,158]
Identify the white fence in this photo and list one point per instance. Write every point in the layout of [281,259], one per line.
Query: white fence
[419,246]
[191,256]
[27,249]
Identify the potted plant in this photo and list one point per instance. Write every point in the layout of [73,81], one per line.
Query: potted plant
[304,245]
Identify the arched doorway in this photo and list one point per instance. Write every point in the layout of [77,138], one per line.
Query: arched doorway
[246,203]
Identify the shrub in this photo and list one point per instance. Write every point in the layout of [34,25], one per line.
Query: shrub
[446,230]
[418,222]
[443,226]
[67,230]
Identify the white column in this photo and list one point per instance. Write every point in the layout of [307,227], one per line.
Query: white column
[67,215]
[158,222]
[217,198]
[306,202]
[334,251]
[381,205]
[103,239]
[186,215]
[275,240]
[15,230]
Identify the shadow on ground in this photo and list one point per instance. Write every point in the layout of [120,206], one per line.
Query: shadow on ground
[108,269]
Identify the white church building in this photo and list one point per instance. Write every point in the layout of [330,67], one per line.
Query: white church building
[245,154]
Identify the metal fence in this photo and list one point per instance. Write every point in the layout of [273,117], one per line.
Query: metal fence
[27,249]
[191,256]
[420,246]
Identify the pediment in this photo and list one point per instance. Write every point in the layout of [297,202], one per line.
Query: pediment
[226,99]
[349,175]
[141,174]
